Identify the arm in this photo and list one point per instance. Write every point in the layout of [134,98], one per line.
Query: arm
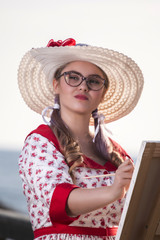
[45,174]
[81,201]
[46,181]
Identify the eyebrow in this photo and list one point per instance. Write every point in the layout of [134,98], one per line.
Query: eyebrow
[96,75]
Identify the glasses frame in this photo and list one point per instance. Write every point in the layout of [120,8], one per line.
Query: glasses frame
[82,79]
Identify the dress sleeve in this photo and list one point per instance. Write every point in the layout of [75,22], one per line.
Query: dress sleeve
[45,173]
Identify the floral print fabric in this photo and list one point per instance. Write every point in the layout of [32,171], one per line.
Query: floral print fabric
[43,170]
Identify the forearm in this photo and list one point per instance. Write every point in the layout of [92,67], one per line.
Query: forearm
[81,201]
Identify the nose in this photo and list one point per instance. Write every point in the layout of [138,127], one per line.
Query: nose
[83,86]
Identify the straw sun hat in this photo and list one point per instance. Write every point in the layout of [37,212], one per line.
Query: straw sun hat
[37,68]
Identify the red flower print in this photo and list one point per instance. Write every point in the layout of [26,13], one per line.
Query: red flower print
[94,222]
[43,151]
[79,170]
[36,139]
[26,152]
[63,162]
[113,206]
[30,164]
[38,220]
[83,185]
[44,145]
[38,171]
[33,147]
[29,191]
[114,215]
[46,192]
[32,214]
[59,175]
[51,163]
[40,213]
[26,145]
[81,222]
[61,168]
[94,184]
[54,156]
[87,215]
[99,213]
[33,155]
[103,185]
[36,197]
[49,174]
[30,171]
[102,222]
[42,158]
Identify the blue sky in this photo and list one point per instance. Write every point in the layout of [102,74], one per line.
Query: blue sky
[130,27]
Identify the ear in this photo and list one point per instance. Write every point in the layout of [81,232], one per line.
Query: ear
[56,86]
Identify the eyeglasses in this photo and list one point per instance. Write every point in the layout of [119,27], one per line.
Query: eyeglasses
[74,79]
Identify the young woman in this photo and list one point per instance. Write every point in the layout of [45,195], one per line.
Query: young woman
[63,165]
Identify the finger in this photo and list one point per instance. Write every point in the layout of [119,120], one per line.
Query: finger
[126,163]
[125,168]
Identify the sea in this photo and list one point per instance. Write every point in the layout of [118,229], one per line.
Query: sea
[11,193]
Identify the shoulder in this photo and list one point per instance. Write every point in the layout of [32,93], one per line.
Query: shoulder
[46,131]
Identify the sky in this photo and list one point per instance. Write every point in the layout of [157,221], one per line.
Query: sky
[127,26]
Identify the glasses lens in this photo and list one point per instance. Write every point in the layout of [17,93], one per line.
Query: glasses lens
[95,82]
[72,79]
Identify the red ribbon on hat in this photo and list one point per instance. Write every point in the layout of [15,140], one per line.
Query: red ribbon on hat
[67,42]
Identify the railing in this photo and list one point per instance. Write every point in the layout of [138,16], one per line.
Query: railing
[14,226]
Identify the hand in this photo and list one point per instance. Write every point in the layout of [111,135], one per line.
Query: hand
[122,179]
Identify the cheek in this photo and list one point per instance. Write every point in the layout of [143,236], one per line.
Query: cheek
[60,87]
[99,96]
[103,94]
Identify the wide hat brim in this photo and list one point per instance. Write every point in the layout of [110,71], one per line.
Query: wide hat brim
[37,68]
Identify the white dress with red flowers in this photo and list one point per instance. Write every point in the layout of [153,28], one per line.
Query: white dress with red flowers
[47,185]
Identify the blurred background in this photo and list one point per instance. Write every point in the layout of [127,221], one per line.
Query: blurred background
[131,27]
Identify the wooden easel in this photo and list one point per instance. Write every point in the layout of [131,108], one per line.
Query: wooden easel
[141,215]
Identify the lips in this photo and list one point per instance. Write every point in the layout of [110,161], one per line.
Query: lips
[81,97]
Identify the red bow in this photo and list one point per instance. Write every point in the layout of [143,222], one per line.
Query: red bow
[67,42]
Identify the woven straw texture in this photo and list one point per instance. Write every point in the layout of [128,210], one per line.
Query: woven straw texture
[37,68]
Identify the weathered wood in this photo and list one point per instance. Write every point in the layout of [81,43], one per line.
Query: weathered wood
[141,214]
[15,226]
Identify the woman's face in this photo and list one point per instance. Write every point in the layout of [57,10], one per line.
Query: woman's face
[79,99]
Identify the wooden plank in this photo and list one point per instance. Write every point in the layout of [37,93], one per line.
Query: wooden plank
[141,214]
[157,235]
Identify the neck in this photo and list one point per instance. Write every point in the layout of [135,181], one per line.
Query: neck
[77,123]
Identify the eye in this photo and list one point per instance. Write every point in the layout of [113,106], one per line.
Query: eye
[73,76]
[93,80]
